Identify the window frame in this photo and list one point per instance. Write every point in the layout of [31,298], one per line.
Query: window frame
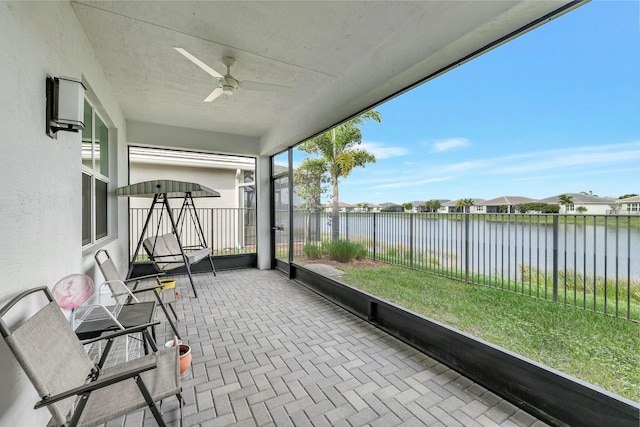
[97,232]
[245,188]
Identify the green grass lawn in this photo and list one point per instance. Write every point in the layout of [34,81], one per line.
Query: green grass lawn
[579,219]
[599,349]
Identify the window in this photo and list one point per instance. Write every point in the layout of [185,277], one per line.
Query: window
[95,176]
[247,188]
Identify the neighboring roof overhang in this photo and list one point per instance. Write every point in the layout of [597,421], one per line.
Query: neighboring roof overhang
[579,198]
[155,156]
[338,59]
[506,200]
[476,202]
[634,199]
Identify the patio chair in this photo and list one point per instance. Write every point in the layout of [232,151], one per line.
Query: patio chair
[168,255]
[76,391]
[163,297]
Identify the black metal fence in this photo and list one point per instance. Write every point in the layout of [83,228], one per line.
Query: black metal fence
[588,261]
[227,230]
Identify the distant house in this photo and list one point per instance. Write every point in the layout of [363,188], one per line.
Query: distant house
[447,207]
[424,208]
[582,203]
[628,206]
[343,207]
[505,204]
[417,206]
[366,207]
[450,206]
[231,176]
[391,207]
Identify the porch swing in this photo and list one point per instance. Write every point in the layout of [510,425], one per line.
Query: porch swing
[167,251]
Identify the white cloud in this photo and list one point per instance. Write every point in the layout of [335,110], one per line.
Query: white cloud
[381,152]
[569,158]
[533,174]
[467,166]
[613,155]
[411,183]
[449,144]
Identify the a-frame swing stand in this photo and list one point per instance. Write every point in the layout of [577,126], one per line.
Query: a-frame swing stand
[172,189]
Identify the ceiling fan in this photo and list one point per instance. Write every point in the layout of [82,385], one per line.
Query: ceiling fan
[227,84]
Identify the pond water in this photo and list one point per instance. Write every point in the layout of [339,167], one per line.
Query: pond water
[495,247]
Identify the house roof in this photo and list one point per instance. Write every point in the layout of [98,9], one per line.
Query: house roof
[371,205]
[340,204]
[189,159]
[506,200]
[634,199]
[476,201]
[579,198]
[326,61]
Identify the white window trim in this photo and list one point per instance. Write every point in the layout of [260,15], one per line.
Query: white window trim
[95,174]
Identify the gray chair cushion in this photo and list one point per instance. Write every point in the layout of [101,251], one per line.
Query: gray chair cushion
[165,251]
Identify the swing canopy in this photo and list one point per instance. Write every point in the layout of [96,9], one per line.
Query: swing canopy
[170,189]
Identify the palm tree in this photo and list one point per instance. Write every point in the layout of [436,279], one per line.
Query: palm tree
[464,204]
[564,200]
[432,205]
[337,149]
[615,207]
[363,206]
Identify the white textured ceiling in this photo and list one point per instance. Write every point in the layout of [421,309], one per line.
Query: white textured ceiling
[337,58]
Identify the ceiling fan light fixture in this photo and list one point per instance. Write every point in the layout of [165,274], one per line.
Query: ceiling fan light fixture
[228,89]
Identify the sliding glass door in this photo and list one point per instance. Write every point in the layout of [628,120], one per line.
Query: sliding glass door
[280,218]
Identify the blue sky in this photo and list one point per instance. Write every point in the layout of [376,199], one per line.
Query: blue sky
[554,111]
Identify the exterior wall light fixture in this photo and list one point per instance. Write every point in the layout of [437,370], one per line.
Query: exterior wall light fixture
[65,105]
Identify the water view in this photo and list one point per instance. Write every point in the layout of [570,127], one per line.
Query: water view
[491,245]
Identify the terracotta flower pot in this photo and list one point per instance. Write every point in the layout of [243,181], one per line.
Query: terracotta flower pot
[185,358]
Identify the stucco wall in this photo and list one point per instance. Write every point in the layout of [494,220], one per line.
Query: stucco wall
[40,231]
[221,180]
[159,135]
[591,208]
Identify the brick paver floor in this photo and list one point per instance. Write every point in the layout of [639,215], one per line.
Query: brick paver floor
[269,352]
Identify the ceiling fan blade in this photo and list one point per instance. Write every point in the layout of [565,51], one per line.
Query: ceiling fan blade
[264,87]
[199,63]
[213,95]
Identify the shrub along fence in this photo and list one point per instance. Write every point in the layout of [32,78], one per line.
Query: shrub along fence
[588,261]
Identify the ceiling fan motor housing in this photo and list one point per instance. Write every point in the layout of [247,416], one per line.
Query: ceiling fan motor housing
[229,85]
